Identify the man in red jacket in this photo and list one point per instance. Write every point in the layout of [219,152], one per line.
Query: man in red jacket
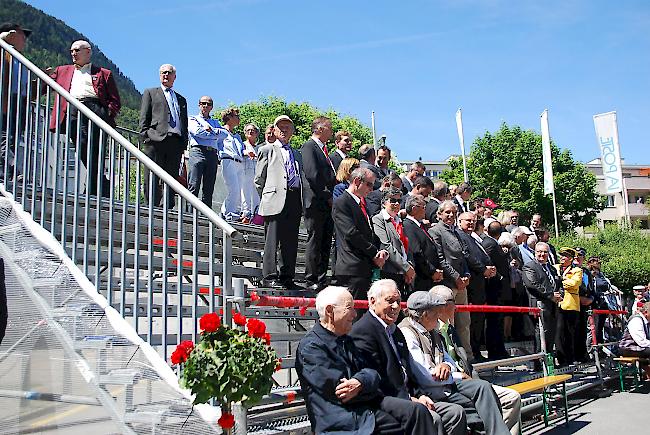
[95,87]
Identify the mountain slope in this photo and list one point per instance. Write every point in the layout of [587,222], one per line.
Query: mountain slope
[49,45]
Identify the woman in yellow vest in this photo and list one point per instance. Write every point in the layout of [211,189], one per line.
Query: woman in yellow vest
[569,311]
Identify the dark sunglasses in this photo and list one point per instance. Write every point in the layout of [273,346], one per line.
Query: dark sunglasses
[395,200]
[205,103]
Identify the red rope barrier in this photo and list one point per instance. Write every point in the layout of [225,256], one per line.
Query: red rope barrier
[300,302]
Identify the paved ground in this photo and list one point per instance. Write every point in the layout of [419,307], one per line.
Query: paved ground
[622,413]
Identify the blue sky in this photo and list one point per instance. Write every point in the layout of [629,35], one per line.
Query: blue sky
[412,62]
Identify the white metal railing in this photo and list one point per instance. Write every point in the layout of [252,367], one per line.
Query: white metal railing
[150,262]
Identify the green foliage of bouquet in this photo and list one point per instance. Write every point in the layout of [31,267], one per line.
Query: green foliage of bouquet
[228,364]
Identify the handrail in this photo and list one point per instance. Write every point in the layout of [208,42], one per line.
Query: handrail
[146,161]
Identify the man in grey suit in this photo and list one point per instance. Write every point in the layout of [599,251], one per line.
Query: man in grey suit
[163,129]
[456,263]
[279,179]
[543,283]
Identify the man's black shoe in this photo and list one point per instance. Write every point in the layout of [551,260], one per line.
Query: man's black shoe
[289,284]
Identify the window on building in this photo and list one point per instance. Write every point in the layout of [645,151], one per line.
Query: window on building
[610,201]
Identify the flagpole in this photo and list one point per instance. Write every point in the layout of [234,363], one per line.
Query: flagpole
[547,163]
[374,135]
[461,139]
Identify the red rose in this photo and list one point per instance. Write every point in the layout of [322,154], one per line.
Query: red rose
[210,322]
[256,328]
[182,352]
[267,338]
[278,365]
[227,420]
[239,319]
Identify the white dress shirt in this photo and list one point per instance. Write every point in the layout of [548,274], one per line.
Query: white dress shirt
[638,326]
[172,102]
[82,83]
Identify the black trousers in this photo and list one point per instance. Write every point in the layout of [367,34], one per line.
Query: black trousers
[581,335]
[281,232]
[167,155]
[4,312]
[565,339]
[92,165]
[357,285]
[320,229]
[494,324]
[414,418]
[476,296]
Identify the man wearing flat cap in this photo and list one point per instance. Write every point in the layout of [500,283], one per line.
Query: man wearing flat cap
[436,371]
[568,314]
[279,180]
[16,36]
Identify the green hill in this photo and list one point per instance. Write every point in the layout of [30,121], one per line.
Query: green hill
[49,45]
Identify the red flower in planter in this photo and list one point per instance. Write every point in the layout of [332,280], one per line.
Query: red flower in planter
[256,328]
[182,352]
[210,322]
[227,420]
[239,319]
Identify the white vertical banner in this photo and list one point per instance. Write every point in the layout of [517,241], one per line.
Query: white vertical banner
[461,138]
[547,163]
[610,152]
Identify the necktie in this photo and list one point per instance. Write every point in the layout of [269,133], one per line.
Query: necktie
[548,273]
[426,232]
[325,151]
[172,108]
[399,227]
[362,204]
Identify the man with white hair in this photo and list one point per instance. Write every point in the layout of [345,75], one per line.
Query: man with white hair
[508,398]
[96,88]
[385,349]
[341,393]
[163,130]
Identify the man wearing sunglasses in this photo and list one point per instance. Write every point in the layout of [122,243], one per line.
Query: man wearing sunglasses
[203,136]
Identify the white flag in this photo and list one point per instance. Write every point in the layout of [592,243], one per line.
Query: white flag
[546,155]
[461,138]
[610,152]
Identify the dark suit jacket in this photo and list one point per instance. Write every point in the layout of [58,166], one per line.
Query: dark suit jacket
[537,283]
[371,339]
[453,253]
[423,254]
[375,170]
[336,159]
[461,208]
[476,287]
[103,84]
[373,202]
[320,367]
[500,259]
[154,115]
[356,242]
[320,176]
[431,210]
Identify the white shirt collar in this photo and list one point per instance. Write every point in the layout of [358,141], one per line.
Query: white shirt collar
[355,197]
[460,200]
[388,217]
[389,328]
[85,68]
[320,144]
[341,153]
[408,216]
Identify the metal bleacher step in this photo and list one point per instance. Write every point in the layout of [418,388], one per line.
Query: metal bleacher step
[126,376]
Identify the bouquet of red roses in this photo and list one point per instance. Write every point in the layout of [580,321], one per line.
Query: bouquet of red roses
[228,364]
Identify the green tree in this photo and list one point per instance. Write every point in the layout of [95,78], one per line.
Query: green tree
[507,167]
[266,109]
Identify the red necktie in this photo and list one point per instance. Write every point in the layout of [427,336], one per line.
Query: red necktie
[400,230]
[325,151]
[362,203]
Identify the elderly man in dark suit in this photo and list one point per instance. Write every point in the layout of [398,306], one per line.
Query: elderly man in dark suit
[494,288]
[421,249]
[96,88]
[279,179]
[321,179]
[357,250]
[341,392]
[543,285]
[482,270]
[383,345]
[163,129]
[456,262]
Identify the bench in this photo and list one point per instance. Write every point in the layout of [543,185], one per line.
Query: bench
[542,384]
[629,364]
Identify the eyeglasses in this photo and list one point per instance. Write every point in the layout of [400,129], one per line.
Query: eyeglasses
[369,184]
[205,103]
[76,50]
[162,73]
[542,252]
[250,130]
[395,200]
